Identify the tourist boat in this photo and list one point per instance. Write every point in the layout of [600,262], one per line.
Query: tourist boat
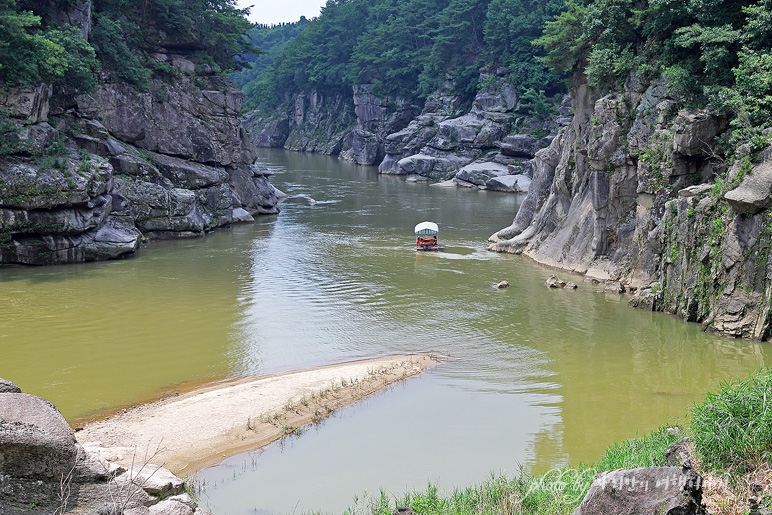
[426,236]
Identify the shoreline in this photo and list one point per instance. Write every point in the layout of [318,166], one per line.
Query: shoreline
[190,431]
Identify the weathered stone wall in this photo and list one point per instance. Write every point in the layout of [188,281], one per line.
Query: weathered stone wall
[172,161]
[632,191]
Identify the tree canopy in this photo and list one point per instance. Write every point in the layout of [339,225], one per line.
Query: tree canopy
[713,52]
[409,48]
[34,48]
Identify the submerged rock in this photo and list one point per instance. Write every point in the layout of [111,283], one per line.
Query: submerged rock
[554,282]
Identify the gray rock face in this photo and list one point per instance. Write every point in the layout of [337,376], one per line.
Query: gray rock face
[694,131]
[434,144]
[624,195]
[522,145]
[184,163]
[30,105]
[180,120]
[35,440]
[468,139]
[270,133]
[645,491]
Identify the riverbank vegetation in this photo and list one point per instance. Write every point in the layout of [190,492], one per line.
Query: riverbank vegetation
[729,434]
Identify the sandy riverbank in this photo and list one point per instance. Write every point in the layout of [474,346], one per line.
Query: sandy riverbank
[202,427]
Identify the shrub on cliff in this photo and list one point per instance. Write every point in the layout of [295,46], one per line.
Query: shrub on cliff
[30,55]
[212,32]
[710,52]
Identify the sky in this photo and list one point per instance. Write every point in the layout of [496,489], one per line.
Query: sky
[278,11]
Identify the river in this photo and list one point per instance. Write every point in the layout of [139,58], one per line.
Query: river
[532,376]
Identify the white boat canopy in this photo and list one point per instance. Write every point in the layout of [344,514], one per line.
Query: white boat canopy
[427,228]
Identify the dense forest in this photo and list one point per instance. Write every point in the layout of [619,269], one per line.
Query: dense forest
[271,41]
[35,47]
[410,48]
[710,52]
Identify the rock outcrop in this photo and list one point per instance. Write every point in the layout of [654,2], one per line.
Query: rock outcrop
[645,491]
[483,146]
[44,470]
[352,128]
[95,175]
[634,192]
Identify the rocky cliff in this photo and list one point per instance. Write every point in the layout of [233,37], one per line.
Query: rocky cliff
[486,145]
[352,127]
[92,176]
[634,191]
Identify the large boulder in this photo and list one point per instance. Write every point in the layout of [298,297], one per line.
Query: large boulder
[522,145]
[35,440]
[435,168]
[754,194]
[480,173]
[7,386]
[694,132]
[509,183]
[645,491]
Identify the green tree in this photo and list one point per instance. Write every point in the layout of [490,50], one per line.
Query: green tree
[510,28]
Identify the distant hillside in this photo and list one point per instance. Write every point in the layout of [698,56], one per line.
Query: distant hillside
[271,40]
[406,49]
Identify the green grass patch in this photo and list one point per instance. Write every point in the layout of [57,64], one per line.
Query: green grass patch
[731,431]
[734,426]
[644,451]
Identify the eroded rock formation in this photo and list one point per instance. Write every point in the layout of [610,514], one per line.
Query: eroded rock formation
[633,191]
[172,161]
[483,146]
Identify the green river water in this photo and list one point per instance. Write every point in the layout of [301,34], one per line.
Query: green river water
[533,376]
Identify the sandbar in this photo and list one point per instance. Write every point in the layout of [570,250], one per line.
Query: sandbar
[202,427]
